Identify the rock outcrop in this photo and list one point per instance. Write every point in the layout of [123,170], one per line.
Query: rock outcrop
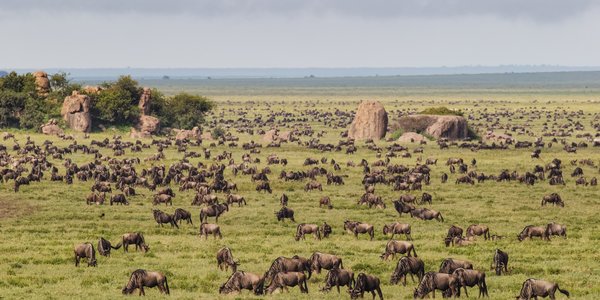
[51,128]
[42,83]
[370,121]
[192,134]
[274,135]
[146,126]
[411,137]
[76,112]
[450,127]
[144,103]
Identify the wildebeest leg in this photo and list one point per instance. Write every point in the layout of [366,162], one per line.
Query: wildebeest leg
[76,260]
[379,293]
[142,290]
[411,277]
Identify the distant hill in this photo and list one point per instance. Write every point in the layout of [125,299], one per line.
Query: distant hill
[3,73]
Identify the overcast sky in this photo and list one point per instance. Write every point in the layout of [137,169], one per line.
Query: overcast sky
[297,33]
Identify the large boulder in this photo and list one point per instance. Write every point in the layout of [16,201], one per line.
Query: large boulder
[274,135]
[370,121]
[76,112]
[411,137]
[450,127]
[51,128]
[192,134]
[144,103]
[42,83]
[146,127]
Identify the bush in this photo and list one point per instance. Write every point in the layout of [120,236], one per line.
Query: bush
[441,111]
[187,111]
[11,105]
[34,113]
[114,106]
[218,132]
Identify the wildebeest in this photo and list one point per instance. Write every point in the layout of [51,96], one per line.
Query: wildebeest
[162,217]
[432,281]
[531,231]
[303,229]
[285,212]
[470,278]
[478,229]
[392,247]
[284,200]
[104,247]
[408,265]
[142,278]
[326,201]
[533,288]
[326,229]
[293,264]
[85,250]
[225,260]
[313,185]
[325,261]
[500,261]
[358,227]
[162,198]
[182,214]
[338,277]
[282,280]
[454,231]
[553,198]
[402,207]
[426,214]
[366,283]
[556,229]
[241,280]
[134,238]
[214,210]
[236,199]
[426,197]
[118,199]
[449,265]
[264,186]
[96,198]
[214,229]
[397,228]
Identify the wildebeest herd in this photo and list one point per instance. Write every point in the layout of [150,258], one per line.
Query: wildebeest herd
[213,180]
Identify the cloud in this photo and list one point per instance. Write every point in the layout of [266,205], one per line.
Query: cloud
[535,10]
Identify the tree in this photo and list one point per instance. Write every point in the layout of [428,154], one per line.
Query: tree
[114,106]
[18,83]
[188,110]
[11,104]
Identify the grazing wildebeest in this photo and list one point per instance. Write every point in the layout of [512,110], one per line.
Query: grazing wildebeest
[241,280]
[397,228]
[142,278]
[85,250]
[96,198]
[303,229]
[432,281]
[426,214]
[366,283]
[454,231]
[326,229]
[236,199]
[293,264]
[338,277]
[313,185]
[358,227]
[162,198]
[500,261]
[465,179]
[408,265]
[104,247]
[285,212]
[284,200]
[407,198]
[470,278]
[182,214]
[533,288]
[118,199]
[214,210]
[134,238]
[531,231]
[556,229]
[478,229]
[166,191]
[402,207]
[444,177]
[282,280]
[426,197]
[162,217]
[325,261]
[206,229]
[457,241]
[392,247]
[449,265]
[225,260]
[264,186]
[553,198]
[326,201]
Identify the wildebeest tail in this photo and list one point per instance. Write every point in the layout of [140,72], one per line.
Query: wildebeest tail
[565,292]
[167,287]
[341,264]
[117,246]
[414,251]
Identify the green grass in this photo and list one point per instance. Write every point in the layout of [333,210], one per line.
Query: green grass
[41,224]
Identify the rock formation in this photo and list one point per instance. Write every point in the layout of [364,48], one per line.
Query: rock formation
[76,112]
[51,128]
[146,125]
[193,134]
[42,83]
[144,103]
[370,121]
[450,127]
[411,137]
[274,135]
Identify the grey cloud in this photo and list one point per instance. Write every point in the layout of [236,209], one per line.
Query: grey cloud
[536,10]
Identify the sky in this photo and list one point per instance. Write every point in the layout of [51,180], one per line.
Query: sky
[297,33]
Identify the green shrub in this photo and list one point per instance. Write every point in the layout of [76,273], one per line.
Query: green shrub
[188,110]
[441,111]
[218,132]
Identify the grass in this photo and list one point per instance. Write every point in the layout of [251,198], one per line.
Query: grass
[40,225]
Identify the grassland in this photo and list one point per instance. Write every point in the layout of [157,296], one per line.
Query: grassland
[40,225]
